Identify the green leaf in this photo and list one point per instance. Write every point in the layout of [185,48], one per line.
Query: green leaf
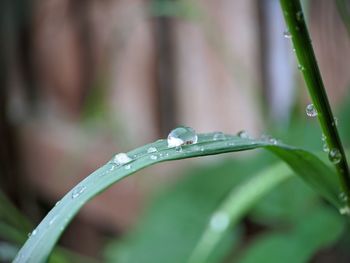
[317,230]
[39,245]
[178,214]
[235,206]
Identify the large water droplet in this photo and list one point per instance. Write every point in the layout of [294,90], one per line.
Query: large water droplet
[121,158]
[182,135]
[243,134]
[151,150]
[287,34]
[334,156]
[311,110]
[219,221]
[78,191]
[219,136]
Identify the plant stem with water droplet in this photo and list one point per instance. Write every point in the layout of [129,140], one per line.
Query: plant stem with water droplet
[306,58]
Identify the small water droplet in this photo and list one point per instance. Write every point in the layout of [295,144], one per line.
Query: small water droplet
[219,221]
[287,34]
[127,167]
[121,158]
[181,136]
[33,233]
[154,157]
[269,139]
[325,147]
[335,121]
[334,156]
[178,148]
[219,136]
[243,134]
[58,202]
[78,191]
[294,49]
[343,197]
[344,210]
[299,16]
[52,220]
[301,67]
[311,110]
[151,150]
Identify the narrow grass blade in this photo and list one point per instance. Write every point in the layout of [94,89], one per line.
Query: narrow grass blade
[43,238]
[235,206]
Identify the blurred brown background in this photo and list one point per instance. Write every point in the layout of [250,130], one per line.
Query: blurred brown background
[83,80]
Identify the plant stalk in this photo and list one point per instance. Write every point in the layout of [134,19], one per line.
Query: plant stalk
[300,37]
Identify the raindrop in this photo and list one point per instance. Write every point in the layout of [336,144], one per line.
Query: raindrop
[287,34]
[344,210]
[78,191]
[154,157]
[52,220]
[269,139]
[33,233]
[152,150]
[58,202]
[178,148]
[219,221]
[301,67]
[219,136]
[182,135]
[335,121]
[325,147]
[311,110]
[343,197]
[121,158]
[299,16]
[127,167]
[334,156]
[243,134]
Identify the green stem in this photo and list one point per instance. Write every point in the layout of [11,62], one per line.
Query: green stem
[294,18]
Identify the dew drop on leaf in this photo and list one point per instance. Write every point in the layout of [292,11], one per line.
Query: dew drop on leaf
[151,150]
[311,110]
[243,134]
[219,221]
[287,34]
[78,191]
[334,156]
[121,158]
[219,136]
[181,136]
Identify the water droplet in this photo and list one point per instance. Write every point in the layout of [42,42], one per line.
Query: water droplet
[78,191]
[219,221]
[182,135]
[334,156]
[219,136]
[300,16]
[325,147]
[58,202]
[311,110]
[335,121]
[301,67]
[154,157]
[243,134]
[269,139]
[287,34]
[178,148]
[344,210]
[121,158]
[33,233]
[151,150]
[343,197]
[52,220]
[127,167]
